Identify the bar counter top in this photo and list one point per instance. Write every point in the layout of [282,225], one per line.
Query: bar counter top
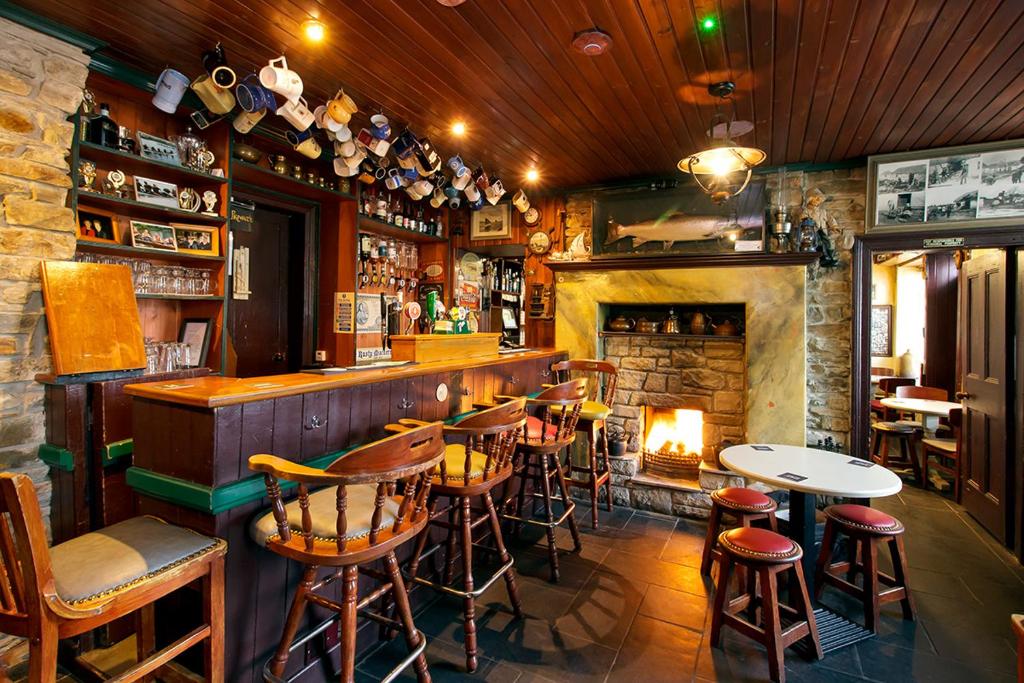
[215,391]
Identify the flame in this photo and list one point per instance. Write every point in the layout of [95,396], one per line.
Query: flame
[683,433]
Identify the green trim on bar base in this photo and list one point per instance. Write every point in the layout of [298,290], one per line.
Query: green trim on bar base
[113,452]
[56,457]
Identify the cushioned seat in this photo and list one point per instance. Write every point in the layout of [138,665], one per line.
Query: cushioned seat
[864,518]
[739,498]
[101,563]
[892,427]
[591,410]
[947,445]
[324,511]
[913,424]
[760,545]
[534,425]
[455,463]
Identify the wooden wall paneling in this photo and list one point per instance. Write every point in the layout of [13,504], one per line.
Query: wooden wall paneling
[381,402]
[287,436]
[315,417]
[359,428]
[339,407]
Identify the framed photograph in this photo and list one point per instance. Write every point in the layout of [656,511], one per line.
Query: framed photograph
[156,192]
[491,223]
[95,225]
[154,236]
[158,149]
[881,330]
[973,186]
[201,240]
[196,332]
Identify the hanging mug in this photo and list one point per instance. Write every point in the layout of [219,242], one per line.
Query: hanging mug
[472,192]
[380,127]
[461,182]
[423,187]
[393,180]
[309,148]
[343,133]
[341,108]
[344,149]
[296,113]
[456,165]
[520,201]
[216,64]
[217,99]
[494,191]
[318,118]
[480,178]
[343,169]
[438,198]
[245,121]
[170,88]
[379,147]
[405,145]
[477,204]
[411,191]
[454,202]
[277,77]
[252,96]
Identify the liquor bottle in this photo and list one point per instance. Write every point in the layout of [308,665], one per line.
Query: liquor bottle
[102,129]
[397,217]
[420,225]
[438,227]
[389,215]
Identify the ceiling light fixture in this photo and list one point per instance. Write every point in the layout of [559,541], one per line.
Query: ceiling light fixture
[592,42]
[532,176]
[725,166]
[708,24]
[314,30]
[459,129]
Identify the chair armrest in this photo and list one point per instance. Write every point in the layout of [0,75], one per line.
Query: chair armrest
[404,425]
[483,405]
[292,471]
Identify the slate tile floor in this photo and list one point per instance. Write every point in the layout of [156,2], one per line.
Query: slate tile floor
[633,607]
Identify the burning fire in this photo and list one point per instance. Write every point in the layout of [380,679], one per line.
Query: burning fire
[683,434]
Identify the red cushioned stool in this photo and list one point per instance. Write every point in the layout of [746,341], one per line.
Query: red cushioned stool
[766,554]
[866,528]
[746,505]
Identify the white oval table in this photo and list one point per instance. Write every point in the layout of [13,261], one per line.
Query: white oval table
[808,472]
[929,410]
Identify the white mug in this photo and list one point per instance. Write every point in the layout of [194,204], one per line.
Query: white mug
[342,134]
[343,169]
[170,88]
[411,191]
[296,113]
[344,149]
[318,116]
[472,192]
[247,120]
[494,191]
[461,182]
[520,201]
[356,159]
[278,77]
[423,187]
[379,147]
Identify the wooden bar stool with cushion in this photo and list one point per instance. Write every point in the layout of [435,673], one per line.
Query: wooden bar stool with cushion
[548,433]
[946,452]
[602,378]
[886,388]
[765,554]
[47,594]
[374,500]
[866,528]
[479,460]
[746,505]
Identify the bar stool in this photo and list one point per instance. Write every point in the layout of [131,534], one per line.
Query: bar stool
[47,594]
[471,469]
[746,505]
[866,528]
[602,378]
[767,554]
[537,460]
[356,519]
[904,434]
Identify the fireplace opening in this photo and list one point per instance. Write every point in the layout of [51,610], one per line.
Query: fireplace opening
[673,441]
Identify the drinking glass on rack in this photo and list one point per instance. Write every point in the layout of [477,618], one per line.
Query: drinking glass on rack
[205,283]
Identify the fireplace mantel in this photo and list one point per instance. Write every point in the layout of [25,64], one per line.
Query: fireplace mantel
[686,261]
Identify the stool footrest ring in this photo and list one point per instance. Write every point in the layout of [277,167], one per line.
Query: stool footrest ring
[475,593]
[538,522]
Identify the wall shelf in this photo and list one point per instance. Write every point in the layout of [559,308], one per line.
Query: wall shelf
[180,297]
[685,261]
[255,174]
[110,159]
[367,224]
[663,335]
[139,209]
[128,250]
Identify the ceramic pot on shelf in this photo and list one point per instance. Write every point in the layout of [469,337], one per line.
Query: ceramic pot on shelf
[621,324]
[698,323]
[727,328]
[644,326]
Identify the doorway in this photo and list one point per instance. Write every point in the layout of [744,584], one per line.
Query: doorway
[272,326]
[952,328]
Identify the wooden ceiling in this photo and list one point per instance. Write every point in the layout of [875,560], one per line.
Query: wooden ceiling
[822,80]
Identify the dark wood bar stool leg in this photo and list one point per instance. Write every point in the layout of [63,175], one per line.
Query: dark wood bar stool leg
[607,468]
[549,515]
[468,601]
[413,638]
[510,575]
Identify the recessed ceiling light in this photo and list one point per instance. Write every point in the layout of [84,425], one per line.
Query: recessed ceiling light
[459,128]
[532,176]
[708,23]
[591,42]
[314,30]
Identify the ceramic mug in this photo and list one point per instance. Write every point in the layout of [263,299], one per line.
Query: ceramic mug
[393,180]
[454,202]
[413,193]
[379,147]
[405,145]
[245,121]
[495,191]
[341,108]
[356,158]
[343,169]
[295,138]
[318,117]
[410,174]
[520,201]
[252,96]
[309,148]
[456,165]
[438,198]
[344,149]
[423,187]
[461,182]
[217,99]
[224,76]
[472,192]
[480,178]
[343,134]
[296,113]
[170,88]
[276,76]
[477,204]
[380,127]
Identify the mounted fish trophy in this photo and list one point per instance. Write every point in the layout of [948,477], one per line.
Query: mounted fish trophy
[669,228]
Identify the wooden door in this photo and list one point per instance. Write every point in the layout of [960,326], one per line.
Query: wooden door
[263,326]
[984,382]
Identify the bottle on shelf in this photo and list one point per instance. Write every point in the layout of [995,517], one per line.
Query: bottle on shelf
[398,213]
[102,130]
[420,225]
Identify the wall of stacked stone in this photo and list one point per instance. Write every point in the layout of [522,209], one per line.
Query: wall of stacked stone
[670,373]
[41,82]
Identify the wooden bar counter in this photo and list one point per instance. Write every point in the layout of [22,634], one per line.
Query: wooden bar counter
[193,439]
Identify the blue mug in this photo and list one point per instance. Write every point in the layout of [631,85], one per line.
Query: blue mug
[478,203]
[297,137]
[455,164]
[451,192]
[405,144]
[411,173]
[252,96]
[380,128]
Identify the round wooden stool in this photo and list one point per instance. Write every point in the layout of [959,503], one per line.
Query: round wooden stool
[905,433]
[866,528]
[766,554]
[746,505]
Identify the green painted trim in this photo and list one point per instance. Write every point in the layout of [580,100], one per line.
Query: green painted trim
[56,457]
[33,21]
[113,452]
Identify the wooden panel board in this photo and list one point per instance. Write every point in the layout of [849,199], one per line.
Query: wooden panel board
[92,319]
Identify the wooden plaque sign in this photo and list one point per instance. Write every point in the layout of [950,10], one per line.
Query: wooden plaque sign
[92,318]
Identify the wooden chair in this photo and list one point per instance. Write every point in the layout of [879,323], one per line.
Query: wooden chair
[549,431]
[47,594]
[913,391]
[882,372]
[946,452]
[374,500]
[887,387]
[602,378]
[479,460]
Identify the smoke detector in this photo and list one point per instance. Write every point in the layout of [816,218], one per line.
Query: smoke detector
[591,42]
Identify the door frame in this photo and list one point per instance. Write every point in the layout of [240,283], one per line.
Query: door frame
[863,248]
[310,212]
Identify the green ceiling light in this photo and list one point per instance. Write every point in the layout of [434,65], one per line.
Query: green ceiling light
[709,24]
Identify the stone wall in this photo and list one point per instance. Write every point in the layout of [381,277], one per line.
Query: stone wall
[41,81]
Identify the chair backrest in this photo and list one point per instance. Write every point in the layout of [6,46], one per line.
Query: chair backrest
[882,372]
[493,432]
[956,416]
[602,377]
[888,385]
[560,424]
[406,459]
[929,393]
[26,580]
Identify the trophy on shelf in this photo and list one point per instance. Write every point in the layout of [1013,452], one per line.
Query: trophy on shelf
[210,199]
[114,184]
[188,199]
[86,174]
